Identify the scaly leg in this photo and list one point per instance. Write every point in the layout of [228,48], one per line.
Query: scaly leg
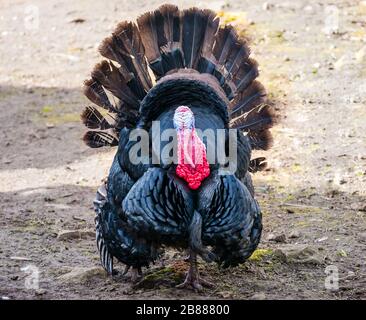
[193,279]
[136,274]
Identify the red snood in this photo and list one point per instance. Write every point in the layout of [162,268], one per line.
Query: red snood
[192,160]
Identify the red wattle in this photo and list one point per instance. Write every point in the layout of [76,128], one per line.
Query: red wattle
[197,169]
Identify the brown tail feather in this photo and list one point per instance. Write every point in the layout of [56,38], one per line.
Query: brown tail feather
[94,91]
[107,74]
[93,119]
[126,48]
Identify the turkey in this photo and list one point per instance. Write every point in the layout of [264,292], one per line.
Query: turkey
[177,70]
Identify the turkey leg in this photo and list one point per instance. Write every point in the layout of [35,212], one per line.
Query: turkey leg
[193,279]
[136,273]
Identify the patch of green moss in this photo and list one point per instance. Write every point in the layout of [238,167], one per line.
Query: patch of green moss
[162,274]
[296,167]
[260,254]
[276,36]
[55,114]
[289,197]
[47,109]
[342,253]
[302,224]
[64,118]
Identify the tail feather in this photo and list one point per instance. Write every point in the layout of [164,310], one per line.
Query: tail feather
[257,119]
[94,91]
[149,35]
[129,39]
[260,140]
[257,164]
[170,14]
[195,22]
[210,32]
[97,139]
[171,58]
[125,47]
[160,34]
[93,119]
[107,74]
[248,99]
[245,75]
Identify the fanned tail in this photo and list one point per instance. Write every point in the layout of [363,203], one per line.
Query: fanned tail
[166,41]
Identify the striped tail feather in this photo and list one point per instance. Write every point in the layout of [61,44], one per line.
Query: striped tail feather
[93,119]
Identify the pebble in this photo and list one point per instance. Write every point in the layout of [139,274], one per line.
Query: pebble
[294,234]
[298,253]
[226,294]
[277,238]
[358,206]
[82,274]
[267,6]
[321,239]
[258,296]
[40,292]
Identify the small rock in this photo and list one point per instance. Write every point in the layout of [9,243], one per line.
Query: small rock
[298,254]
[5,298]
[226,294]
[49,125]
[77,20]
[294,234]
[258,296]
[277,238]
[308,8]
[21,259]
[48,199]
[358,206]
[267,6]
[363,236]
[40,292]
[14,278]
[321,239]
[75,234]
[82,275]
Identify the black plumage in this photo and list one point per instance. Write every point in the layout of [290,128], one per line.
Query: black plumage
[145,206]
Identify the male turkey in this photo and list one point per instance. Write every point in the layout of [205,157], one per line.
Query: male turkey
[184,71]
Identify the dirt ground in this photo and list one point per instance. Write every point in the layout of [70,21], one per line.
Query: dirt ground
[312,195]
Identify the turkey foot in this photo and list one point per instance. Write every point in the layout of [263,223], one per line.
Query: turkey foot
[193,280]
[136,274]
